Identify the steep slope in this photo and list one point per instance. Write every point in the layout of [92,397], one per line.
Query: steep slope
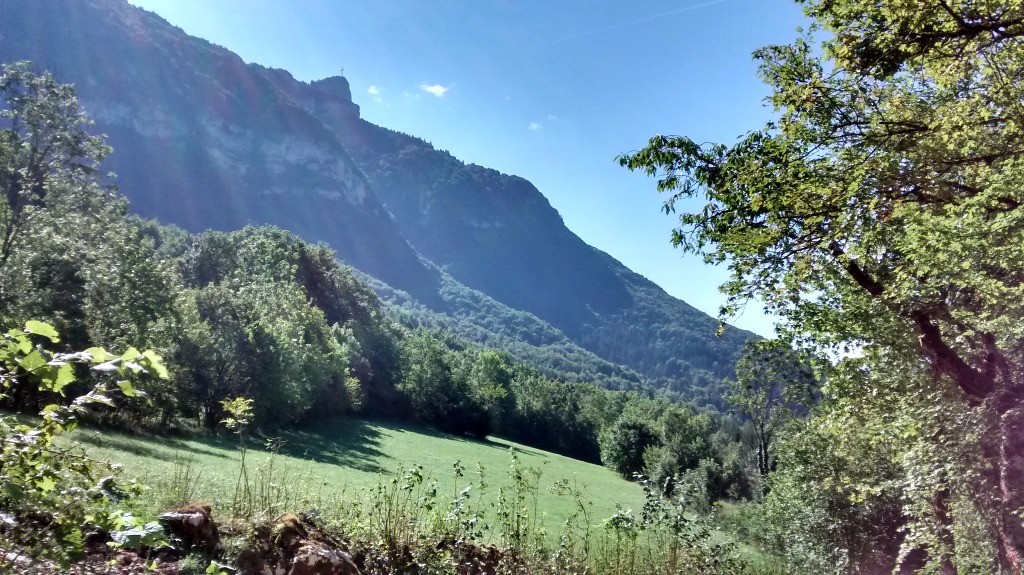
[201,141]
[204,140]
[479,318]
[498,234]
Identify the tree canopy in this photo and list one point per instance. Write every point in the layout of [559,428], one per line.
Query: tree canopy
[44,139]
[881,211]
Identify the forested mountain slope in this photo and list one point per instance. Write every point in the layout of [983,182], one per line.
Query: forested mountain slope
[205,140]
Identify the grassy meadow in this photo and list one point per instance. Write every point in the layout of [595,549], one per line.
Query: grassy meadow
[341,465]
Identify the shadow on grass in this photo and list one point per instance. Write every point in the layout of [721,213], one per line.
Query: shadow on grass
[155,447]
[432,432]
[354,444]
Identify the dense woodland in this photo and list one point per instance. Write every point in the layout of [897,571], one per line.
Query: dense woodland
[878,215]
[475,251]
[263,315]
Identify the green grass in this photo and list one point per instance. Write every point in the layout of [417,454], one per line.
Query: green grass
[341,463]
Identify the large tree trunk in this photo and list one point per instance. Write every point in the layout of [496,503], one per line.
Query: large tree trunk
[940,506]
[987,381]
[1011,483]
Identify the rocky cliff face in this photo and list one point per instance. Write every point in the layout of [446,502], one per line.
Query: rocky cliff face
[204,140]
[498,234]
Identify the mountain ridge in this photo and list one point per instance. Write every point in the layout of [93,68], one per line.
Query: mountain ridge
[205,140]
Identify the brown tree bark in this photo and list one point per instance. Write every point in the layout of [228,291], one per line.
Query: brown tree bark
[940,506]
[985,380]
[1011,483]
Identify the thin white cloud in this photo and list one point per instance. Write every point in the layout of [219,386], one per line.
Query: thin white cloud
[644,19]
[373,91]
[552,118]
[533,126]
[435,89]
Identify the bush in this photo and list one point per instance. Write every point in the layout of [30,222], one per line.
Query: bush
[49,496]
[623,445]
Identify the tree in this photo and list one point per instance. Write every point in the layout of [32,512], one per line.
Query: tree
[686,442]
[434,384]
[882,209]
[43,139]
[623,445]
[489,379]
[772,383]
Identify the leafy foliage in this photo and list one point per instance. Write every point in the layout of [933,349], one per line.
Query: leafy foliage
[49,496]
[772,384]
[624,444]
[43,139]
[879,215]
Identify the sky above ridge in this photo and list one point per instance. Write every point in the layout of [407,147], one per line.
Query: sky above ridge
[551,91]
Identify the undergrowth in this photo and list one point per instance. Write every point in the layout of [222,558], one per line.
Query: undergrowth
[415,522]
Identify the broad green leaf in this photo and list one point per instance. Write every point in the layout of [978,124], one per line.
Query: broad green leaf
[42,329]
[46,483]
[32,361]
[65,376]
[20,340]
[126,388]
[131,354]
[156,363]
[100,355]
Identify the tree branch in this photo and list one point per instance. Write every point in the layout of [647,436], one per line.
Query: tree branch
[975,383]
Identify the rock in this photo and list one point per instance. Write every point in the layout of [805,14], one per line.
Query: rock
[293,545]
[193,527]
[317,559]
[289,533]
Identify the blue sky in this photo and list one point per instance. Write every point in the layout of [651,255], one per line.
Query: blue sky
[548,90]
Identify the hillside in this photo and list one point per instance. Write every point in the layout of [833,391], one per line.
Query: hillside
[346,461]
[205,140]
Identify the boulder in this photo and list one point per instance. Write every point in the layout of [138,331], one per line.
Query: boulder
[192,527]
[293,545]
[318,559]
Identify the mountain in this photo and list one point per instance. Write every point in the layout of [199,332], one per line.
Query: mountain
[204,140]
[200,140]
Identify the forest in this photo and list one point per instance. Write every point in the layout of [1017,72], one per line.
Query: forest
[877,215]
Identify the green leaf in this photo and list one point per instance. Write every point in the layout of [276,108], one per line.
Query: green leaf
[42,329]
[156,363]
[131,354]
[32,361]
[126,388]
[45,483]
[20,340]
[100,355]
[65,376]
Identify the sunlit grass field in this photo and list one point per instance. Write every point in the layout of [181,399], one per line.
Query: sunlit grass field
[340,464]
